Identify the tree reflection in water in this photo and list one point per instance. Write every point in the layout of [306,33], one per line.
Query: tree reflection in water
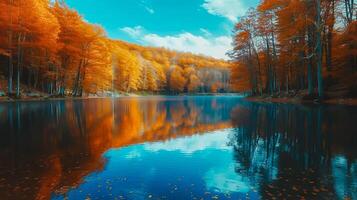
[48,147]
[295,151]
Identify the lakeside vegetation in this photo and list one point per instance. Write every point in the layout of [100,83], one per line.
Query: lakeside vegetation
[48,49]
[291,48]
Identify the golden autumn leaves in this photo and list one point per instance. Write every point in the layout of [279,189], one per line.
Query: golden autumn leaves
[50,47]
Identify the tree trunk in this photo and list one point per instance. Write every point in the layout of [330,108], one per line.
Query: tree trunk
[329,37]
[310,85]
[319,50]
[82,77]
[259,81]
[64,64]
[349,7]
[10,66]
[19,52]
[76,81]
[274,62]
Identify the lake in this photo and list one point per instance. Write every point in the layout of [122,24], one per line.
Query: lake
[176,148]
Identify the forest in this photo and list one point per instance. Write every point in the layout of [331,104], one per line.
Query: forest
[49,48]
[297,47]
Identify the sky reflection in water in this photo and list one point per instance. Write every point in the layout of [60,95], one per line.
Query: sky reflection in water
[184,168]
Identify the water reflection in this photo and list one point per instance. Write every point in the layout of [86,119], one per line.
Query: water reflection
[176,148]
[51,146]
[297,151]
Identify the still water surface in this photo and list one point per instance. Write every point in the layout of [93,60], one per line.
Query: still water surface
[176,148]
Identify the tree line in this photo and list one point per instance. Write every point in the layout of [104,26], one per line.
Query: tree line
[292,46]
[46,46]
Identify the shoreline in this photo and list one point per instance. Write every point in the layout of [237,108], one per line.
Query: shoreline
[297,100]
[35,99]
[279,100]
[6,99]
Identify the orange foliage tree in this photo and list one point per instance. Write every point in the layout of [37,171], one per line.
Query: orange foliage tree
[297,46]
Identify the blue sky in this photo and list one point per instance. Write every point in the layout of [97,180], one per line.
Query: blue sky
[198,26]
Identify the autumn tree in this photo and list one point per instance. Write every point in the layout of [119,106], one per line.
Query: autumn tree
[127,65]
[177,79]
[31,35]
[292,46]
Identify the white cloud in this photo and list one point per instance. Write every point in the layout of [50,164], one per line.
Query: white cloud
[133,32]
[187,42]
[230,9]
[189,145]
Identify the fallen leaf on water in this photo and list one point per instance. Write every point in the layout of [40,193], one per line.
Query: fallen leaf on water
[316,190]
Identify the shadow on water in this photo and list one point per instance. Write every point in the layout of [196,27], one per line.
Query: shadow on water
[296,151]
